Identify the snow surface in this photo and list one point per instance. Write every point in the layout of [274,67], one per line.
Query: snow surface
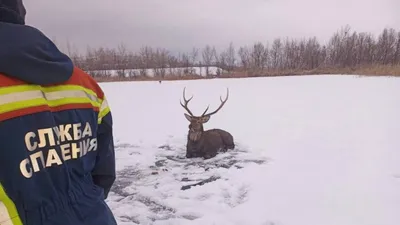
[311,150]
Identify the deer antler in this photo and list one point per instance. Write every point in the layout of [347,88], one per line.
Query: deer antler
[220,106]
[186,102]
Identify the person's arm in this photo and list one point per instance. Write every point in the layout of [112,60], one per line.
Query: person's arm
[104,170]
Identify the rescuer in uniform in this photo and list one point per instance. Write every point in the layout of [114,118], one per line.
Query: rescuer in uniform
[57,160]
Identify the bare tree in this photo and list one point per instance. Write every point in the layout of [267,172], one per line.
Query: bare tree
[244,54]
[230,58]
[209,56]
[276,54]
[146,60]
[396,56]
[259,57]
[122,63]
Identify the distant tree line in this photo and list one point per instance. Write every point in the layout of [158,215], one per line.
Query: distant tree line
[345,49]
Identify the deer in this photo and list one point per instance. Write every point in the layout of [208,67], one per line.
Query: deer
[202,143]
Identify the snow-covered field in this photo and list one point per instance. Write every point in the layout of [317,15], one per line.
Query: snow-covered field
[311,150]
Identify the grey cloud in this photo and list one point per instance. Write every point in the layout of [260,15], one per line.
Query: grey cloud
[182,24]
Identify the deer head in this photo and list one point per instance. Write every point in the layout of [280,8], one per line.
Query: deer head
[196,122]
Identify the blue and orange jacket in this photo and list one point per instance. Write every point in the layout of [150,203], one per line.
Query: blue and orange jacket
[57,160]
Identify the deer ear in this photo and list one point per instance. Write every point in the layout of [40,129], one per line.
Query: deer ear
[189,118]
[205,119]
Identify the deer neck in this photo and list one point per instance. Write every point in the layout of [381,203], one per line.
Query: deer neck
[195,135]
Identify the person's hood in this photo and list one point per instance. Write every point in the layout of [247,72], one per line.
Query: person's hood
[27,54]
[12,11]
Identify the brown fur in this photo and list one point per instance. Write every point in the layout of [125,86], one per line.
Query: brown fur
[205,144]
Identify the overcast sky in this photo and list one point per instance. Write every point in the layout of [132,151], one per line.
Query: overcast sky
[182,24]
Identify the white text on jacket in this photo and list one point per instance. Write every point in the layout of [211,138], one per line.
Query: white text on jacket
[56,145]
